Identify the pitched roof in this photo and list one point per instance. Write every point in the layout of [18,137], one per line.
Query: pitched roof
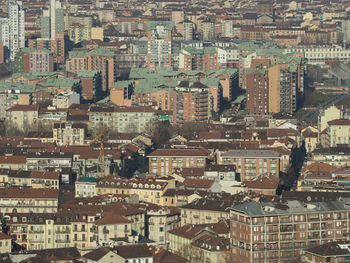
[97,254]
[179,152]
[19,107]
[28,193]
[337,248]
[112,219]
[133,251]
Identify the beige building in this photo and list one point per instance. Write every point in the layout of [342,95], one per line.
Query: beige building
[112,226]
[338,132]
[160,221]
[23,117]
[199,243]
[32,179]
[205,211]
[326,115]
[310,137]
[148,190]
[5,243]
[28,200]
[69,134]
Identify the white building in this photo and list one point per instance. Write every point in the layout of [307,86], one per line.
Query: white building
[16,27]
[4,34]
[319,55]
[66,99]
[85,187]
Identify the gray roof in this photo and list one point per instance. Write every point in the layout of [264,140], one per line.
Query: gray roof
[256,209]
[251,153]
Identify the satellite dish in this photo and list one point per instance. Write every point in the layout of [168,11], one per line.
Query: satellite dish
[308,198]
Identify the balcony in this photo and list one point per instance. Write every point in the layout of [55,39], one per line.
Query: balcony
[36,231]
[36,240]
[62,241]
[105,231]
[63,231]
[79,239]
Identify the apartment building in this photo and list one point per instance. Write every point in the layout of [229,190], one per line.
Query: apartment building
[205,211]
[99,59]
[91,84]
[277,232]
[122,119]
[321,54]
[12,93]
[69,134]
[85,187]
[191,58]
[13,162]
[159,41]
[335,156]
[34,60]
[326,115]
[338,132]
[23,117]
[165,161]
[5,243]
[28,200]
[257,92]
[160,220]
[36,231]
[198,244]
[111,227]
[133,119]
[65,99]
[78,32]
[32,179]
[56,45]
[251,163]
[46,160]
[148,190]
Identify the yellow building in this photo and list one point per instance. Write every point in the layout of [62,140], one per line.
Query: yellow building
[148,190]
[5,243]
[338,132]
[32,179]
[78,33]
[326,115]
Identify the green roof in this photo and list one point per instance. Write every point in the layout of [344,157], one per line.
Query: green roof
[152,25]
[104,100]
[225,71]
[87,73]
[28,76]
[122,84]
[239,99]
[77,54]
[256,70]
[60,82]
[210,82]
[30,50]
[24,88]
[102,52]
[89,179]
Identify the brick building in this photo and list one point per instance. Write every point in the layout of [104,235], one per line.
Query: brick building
[277,232]
[164,161]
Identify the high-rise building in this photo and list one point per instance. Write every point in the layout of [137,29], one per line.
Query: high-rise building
[207,30]
[159,43]
[16,27]
[52,20]
[4,36]
[187,27]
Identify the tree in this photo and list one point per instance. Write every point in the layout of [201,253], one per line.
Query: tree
[161,132]
[4,227]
